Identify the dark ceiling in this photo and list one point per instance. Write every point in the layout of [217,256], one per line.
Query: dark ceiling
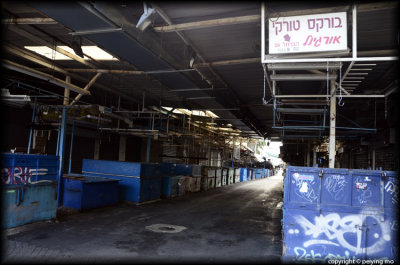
[226,60]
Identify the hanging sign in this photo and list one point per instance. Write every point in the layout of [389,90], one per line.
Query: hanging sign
[310,33]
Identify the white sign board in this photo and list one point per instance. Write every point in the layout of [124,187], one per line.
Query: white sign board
[310,33]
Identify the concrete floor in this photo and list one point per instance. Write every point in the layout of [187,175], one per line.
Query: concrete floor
[239,223]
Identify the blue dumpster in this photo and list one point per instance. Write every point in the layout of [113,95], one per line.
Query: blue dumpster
[28,203]
[138,182]
[85,192]
[24,168]
[250,174]
[331,214]
[243,174]
[257,173]
[29,188]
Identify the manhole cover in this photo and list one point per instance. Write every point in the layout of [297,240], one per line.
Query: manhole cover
[165,228]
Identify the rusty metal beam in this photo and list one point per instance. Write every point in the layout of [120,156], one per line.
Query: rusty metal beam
[86,88]
[51,79]
[209,23]
[30,20]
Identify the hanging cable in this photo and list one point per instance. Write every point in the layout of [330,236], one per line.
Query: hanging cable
[340,103]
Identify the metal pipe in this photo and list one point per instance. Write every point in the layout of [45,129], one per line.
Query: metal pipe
[208,23]
[87,87]
[296,77]
[95,31]
[32,72]
[354,32]
[332,128]
[262,30]
[148,144]
[345,59]
[29,20]
[61,157]
[71,144]
[31,130]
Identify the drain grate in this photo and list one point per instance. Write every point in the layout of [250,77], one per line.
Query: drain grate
[165,228]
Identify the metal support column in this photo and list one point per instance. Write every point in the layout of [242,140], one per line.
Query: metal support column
[332,128]
[72,144]
[63,133]
[373,158]
[122,147]
[31,131]
[314,155]
[66,91]
[148,144]
[96,149]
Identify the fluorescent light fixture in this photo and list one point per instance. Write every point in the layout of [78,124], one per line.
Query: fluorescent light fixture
[145,20]
[93,51]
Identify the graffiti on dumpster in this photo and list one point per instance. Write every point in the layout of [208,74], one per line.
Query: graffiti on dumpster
[21,175]
[334,185]
[393,189]
[312,256]
[364,193]
[344,232]
[304,187]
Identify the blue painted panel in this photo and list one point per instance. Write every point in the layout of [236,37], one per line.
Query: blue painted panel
[301,187]
[391,188]
[23,204]
[173,169]
[243,174]
[150,189]
[24,168]
[366,188]
[336,187]
[84,192]
[257,172]
[105,167]
[331,235]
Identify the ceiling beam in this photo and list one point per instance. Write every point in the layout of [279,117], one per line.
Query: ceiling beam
[31,20]
[41,41]
[209,23]
[91,82]
[296,77]
[51,79]
[33,57]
